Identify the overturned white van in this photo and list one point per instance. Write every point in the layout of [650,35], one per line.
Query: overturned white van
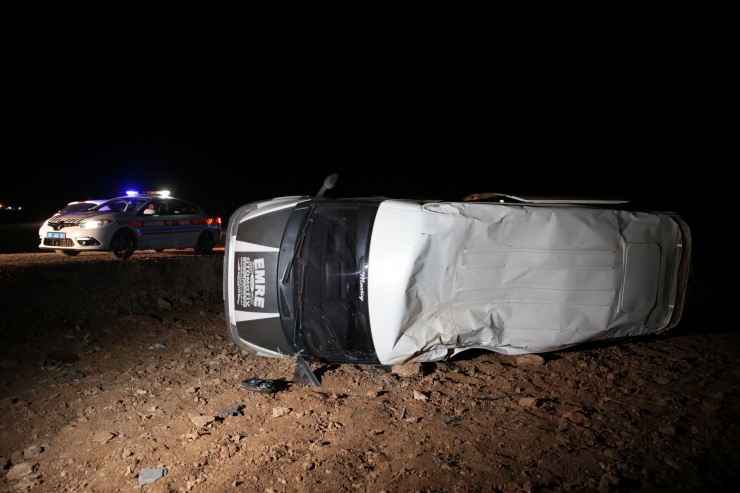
[383,281]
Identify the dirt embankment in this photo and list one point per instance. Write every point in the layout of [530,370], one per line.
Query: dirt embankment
[43,292]
[656,414]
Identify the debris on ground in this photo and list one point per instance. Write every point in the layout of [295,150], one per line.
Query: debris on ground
[73,374]
[147,476]
[234,411]
[259,385]
[158,346]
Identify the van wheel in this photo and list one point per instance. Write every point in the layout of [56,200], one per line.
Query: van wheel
[204,244]
[123,244]
[67,253]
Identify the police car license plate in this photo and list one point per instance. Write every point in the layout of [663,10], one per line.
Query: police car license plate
[56,235]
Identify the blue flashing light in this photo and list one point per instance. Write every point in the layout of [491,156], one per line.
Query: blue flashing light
[131,193]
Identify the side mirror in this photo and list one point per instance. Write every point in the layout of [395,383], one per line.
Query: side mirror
[329,183]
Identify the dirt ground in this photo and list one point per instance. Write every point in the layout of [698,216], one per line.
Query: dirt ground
[656,414]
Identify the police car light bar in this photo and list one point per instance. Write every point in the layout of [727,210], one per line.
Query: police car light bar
[131,193]
[163,193]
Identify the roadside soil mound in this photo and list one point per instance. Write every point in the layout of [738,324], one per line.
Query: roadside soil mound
[44,292]
[100,380]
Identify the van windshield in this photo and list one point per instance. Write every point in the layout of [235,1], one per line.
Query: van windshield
[330,283]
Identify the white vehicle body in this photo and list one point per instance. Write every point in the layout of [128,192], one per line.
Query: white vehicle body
[444,277]
[125,224]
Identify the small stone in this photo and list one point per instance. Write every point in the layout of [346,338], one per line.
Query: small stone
[20,471]
[606,481]
[201,420]
[214,381]
[527,402]
[32,452]
[613,454]
[26,483]
[672,462]
[407,370]
[412,420]
[191,390]
[694,430]
[718,395]
[371,393]
[141,391]
[667,430]
[709,408]
[103,437]
[277,412]
[307,466]
[163,303]
[420,396]
[529,360]
[575,417]
[186,350]
[661,380]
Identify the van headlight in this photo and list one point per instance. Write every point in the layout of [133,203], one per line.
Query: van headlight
[95,223]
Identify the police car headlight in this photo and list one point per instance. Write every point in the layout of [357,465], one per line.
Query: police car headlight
[95,224]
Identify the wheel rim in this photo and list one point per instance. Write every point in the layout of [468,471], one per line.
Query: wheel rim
[206,242]
[123,245]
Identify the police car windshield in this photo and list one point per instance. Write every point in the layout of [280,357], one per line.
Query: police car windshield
[84,206]
[330,283]
[123,204]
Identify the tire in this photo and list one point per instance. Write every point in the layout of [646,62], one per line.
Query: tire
[205,243]
[67,253]
[159,250]
[123,244]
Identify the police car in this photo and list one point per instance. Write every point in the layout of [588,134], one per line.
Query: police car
[139,221]
[381,281]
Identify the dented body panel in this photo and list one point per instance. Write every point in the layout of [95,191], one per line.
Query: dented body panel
[513,278]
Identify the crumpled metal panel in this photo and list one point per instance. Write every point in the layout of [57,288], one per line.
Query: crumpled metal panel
[513,278]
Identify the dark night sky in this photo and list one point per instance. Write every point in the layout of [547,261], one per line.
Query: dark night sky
[232,119]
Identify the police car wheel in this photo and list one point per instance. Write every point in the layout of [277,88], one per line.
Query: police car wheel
[204,243]
[67,253]
[123,244]
[159,250]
